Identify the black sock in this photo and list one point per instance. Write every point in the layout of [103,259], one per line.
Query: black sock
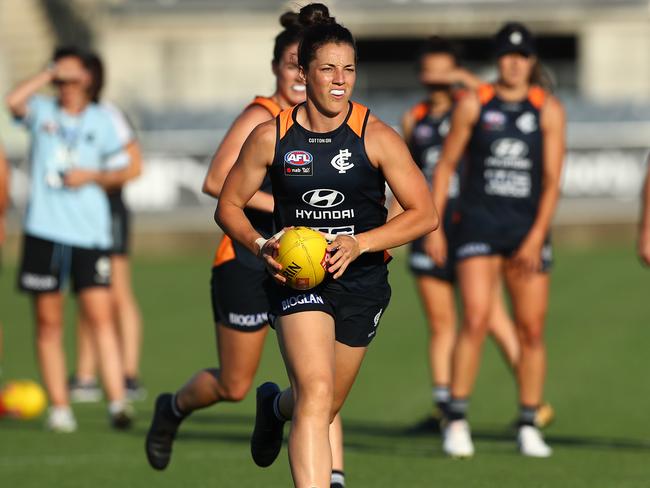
[527,415]
[457,409]
[441,397]
[337,479]
[276,408]
[176,410]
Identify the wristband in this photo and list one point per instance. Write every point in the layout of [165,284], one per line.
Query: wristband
[361,251]
[260,241]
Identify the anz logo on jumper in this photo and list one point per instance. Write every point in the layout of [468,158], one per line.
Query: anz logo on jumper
[340,161]
[323,198]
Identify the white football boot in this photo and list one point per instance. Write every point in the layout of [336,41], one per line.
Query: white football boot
[457,440]
[61,420]
[531,443]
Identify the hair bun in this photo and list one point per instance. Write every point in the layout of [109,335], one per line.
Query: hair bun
[314,14]
[289,20]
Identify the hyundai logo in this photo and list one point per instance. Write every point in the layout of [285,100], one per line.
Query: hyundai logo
[323,198]
[509,148]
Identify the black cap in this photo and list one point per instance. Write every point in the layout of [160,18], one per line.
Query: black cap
[514,38]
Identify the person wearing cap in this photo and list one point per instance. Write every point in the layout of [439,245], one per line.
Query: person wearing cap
[513,135]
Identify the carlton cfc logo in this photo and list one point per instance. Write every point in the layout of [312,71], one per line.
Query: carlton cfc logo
[298,158]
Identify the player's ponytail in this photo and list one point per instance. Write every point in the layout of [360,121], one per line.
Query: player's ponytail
[315,13]
[291,34]
[540,76]
[320,29]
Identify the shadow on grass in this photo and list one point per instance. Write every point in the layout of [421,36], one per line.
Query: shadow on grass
[390,438]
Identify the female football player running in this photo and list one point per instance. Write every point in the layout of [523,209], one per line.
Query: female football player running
[513,133]
[239,302]
[345,157]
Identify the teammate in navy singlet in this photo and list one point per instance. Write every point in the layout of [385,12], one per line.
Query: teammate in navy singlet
[513,132]
[425,128]
[329,161]
[239,302]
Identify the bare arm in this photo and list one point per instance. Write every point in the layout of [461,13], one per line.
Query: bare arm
[552,122]
[466,78]
[242,182]
[17,98]
[227,154]
[644,229]
[408,122]
[553,129]
[463,119]
[4,192]
[108,179]
[4,183]
[385,148]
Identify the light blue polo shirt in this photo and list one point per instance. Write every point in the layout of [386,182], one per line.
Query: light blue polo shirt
[60,141]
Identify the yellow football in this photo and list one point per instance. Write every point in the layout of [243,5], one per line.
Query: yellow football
[24,399]
[303,255]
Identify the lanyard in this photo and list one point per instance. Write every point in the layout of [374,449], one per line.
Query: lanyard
[69,135]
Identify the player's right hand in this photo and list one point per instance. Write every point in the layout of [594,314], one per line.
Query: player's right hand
[435,245]
[2,228]
[268,252]
[644,248]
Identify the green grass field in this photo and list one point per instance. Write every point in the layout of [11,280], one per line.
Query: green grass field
[598,338]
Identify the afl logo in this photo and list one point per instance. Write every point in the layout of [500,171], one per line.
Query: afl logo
[323,198]
[509,148]
[298,158]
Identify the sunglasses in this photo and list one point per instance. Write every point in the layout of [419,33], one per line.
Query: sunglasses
[59,82]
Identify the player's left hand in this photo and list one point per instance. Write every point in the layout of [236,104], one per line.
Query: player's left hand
[75,178]
[528,258]
[343,250]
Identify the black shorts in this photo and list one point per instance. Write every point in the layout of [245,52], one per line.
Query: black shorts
[239,298]
[120,224]
[47,266]
[501,246]
[356,301]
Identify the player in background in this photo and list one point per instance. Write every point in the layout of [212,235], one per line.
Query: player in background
[513,133]
[83,384]
[239,302]
[424,128]
[644,227]
[67,225]
[4,205]
[324,332]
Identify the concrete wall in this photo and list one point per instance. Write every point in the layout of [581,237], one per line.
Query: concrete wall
[188,62]
[614,59]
